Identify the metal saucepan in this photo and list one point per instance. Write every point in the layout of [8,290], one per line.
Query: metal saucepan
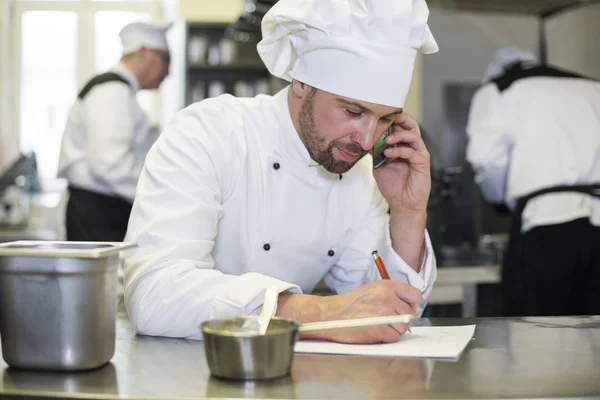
[234,351]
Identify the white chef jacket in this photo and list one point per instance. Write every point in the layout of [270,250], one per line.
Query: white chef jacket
[230,203]
[106,139]
[540,132]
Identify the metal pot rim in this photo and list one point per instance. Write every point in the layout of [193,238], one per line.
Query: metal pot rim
[294,325]
[64,249]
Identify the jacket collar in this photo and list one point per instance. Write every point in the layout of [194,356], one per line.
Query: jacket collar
[122,70]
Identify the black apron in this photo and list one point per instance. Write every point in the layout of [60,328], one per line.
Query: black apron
[546,270]
[92,216]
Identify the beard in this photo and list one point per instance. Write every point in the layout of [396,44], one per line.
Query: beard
[315,142]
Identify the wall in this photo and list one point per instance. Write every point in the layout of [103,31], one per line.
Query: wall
[211,10]
[172,90]
[4,26]
[467,43]
[572,40]
[414,104]
[9,141]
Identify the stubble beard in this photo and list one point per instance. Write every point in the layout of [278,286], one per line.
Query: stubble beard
[316,145]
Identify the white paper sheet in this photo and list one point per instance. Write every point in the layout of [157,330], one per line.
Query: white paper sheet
[423,342]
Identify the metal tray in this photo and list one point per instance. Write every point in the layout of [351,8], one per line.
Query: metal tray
[31,248]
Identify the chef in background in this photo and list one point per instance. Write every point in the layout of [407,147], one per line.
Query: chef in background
[241,195]
[534,144]
[108,135]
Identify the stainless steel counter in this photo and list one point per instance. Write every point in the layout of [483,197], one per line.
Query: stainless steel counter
[517,358]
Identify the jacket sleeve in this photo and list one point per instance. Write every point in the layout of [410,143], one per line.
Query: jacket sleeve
[109,120]
[356,266]
[171,283]
[488,148]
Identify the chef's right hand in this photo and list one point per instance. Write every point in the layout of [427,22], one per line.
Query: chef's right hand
[377,299]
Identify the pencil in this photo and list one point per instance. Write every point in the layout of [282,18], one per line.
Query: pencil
[382,270]
[380,266]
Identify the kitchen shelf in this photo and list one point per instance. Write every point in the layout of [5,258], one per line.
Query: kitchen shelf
[216,64]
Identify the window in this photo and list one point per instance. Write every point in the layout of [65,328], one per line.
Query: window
[48,81]
[62,43]
[107,46]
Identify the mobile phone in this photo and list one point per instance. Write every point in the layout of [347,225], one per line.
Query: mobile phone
[378,157]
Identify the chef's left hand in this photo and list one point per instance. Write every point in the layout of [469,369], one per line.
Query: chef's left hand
[405,182]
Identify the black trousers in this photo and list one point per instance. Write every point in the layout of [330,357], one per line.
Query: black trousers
[92,216]
[553,270]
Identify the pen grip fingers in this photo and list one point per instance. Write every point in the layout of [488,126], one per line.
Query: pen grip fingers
[408,294]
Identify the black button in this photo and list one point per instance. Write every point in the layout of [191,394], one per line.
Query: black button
[267,247]
[331,253]
[340,177]
[276,165]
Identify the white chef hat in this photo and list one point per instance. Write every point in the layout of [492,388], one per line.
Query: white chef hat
[505,57]
[361,49]
[141,34]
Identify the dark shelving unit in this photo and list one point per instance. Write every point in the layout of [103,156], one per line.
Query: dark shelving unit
[217,64]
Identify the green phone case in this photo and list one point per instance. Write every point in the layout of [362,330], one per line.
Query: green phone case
[378,157]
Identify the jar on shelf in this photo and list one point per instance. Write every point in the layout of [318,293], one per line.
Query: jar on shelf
[198,92]
[214,54]
[262,86]
[227,49]
[197,50]
[216,88]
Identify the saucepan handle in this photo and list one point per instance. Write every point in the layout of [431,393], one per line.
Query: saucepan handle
[353,323]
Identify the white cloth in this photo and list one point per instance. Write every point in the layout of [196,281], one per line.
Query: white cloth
[540,132]
[106,139]
[361,49]
[140,34]
[505,57]
[228,177]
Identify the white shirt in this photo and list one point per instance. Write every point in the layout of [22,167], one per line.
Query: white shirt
[106,139]
[540,132]
[229,203]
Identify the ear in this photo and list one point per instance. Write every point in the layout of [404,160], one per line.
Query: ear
[301,89]
[142,51]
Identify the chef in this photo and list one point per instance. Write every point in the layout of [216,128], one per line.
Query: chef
[534,145]
[239,195]
[108,135]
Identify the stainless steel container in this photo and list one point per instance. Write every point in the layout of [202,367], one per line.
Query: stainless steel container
[235,353]
[236,350]
[58,303]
